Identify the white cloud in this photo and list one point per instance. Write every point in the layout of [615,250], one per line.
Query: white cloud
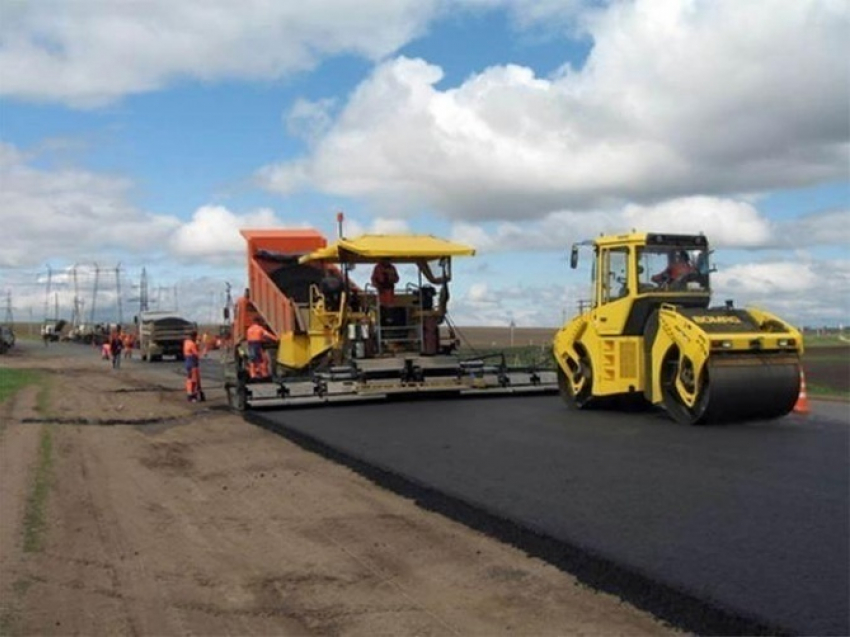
[827,227]
[804,292]
[677,98]
[74,215]
[497,305]
[69,213]
[90,52]
[726,222]
[378,225]
[768,279]
[213,233]
[557,231]
[308,119]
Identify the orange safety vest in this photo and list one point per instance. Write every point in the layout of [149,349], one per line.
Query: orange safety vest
[256,333]
[190,348]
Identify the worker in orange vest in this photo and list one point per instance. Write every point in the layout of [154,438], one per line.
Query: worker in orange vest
[192,359]
[258,366]
[129,343]
[384,278]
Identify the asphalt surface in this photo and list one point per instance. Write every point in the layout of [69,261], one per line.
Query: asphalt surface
[741,528]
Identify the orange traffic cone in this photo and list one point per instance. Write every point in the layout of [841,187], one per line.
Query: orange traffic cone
[802,406]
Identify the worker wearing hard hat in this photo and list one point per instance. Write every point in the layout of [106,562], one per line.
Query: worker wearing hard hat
[255,335]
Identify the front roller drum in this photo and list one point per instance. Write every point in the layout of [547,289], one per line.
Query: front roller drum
[737,388]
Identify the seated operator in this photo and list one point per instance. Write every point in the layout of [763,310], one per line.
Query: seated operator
[678,266]
[332,288]
[384,278]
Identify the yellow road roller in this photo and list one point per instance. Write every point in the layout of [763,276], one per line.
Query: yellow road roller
[649,334]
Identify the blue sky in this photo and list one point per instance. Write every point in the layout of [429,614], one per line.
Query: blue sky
[148,134]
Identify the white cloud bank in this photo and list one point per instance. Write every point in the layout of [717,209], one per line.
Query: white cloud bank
[91,52]
[212,235]
[69,213]
[74,215]
[678,97]
[728,223]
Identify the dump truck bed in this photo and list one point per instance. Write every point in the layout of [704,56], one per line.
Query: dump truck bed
[276,281]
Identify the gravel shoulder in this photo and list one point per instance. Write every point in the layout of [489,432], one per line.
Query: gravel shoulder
[168,518]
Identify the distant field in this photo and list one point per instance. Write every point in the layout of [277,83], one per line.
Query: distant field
[486,337]
[829,340]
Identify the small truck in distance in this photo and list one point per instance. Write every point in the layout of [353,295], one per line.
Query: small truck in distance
[162,334]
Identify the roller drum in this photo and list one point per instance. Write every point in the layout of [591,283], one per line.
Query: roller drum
[748,387]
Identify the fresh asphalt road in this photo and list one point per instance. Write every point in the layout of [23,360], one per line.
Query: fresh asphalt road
[750,518]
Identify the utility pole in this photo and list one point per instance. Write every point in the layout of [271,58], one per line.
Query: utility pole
[94,292]
[228,304]
[143,292]
[8,319]
[47,294]
[75,314]
[118,294]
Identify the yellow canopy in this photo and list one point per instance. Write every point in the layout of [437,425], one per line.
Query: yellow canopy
[399,248]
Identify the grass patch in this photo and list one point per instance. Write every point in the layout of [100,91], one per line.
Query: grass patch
[826,392]
[541,356]
[42,400]
[35,521]
[830,340]
[12,380]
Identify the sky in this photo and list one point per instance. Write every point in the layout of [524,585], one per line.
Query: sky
[144,134]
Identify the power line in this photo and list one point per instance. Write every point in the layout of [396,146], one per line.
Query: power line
[8,318]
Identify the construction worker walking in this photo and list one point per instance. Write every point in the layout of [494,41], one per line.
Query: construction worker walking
[116,344]
[192,359]
[255,335]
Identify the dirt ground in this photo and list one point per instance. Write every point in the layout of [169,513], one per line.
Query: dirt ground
[162,517]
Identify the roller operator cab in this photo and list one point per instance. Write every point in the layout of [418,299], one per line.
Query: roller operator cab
[648,333]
